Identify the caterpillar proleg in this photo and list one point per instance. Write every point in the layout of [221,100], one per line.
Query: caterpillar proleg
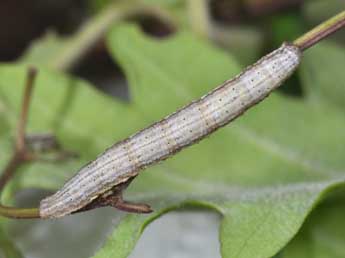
[124,160]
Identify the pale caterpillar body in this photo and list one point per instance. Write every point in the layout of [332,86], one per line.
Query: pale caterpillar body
[127,158]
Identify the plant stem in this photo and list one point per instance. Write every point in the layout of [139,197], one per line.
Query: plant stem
[20,143]
[19,213]
[88,35]
[20,154]
[320,32]
[94,30]
[12,165]
[199,17]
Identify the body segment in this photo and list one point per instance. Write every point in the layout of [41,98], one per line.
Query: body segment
[125,159]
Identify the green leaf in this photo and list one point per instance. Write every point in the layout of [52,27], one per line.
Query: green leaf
[264,173]
[322,235]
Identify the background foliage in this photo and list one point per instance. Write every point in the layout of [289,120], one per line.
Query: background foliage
[275,175]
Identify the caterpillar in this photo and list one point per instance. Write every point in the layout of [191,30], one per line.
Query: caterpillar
[114,169]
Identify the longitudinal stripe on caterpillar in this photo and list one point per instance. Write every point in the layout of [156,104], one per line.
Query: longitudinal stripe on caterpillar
[124,160]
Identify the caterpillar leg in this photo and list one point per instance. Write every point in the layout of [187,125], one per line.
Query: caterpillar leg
[130,206]
[114,198]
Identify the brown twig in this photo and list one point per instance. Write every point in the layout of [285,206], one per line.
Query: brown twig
[20,140]
[320,32]
[23,154]
[20,154]
[12,165]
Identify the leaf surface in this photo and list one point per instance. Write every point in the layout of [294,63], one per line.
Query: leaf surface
[322,235]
